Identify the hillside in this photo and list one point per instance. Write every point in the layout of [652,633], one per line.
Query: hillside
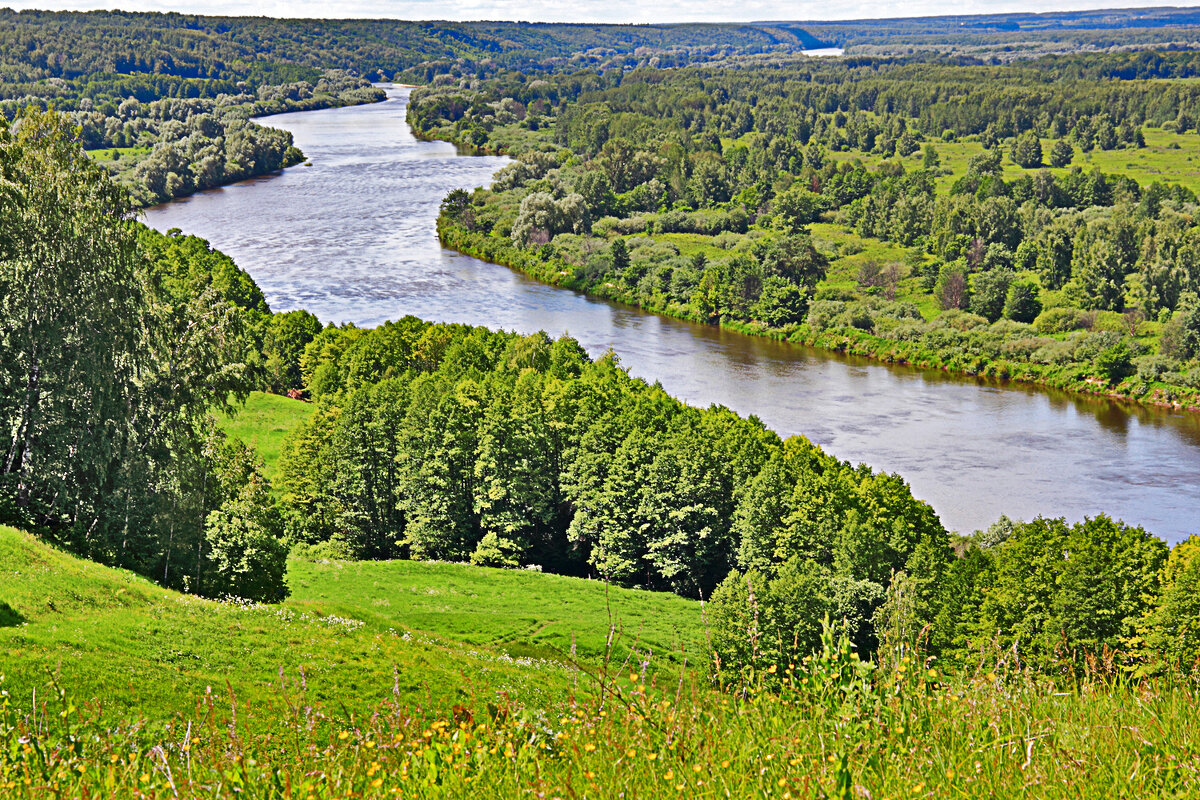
[329,696]
[419,633]
[263,424]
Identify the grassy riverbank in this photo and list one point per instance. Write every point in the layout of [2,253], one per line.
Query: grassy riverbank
[967,349]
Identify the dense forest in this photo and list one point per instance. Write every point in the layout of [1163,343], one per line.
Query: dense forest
[41,51]
[165,98]
[926,211]
[456,443]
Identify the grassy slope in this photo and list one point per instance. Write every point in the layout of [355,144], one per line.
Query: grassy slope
[264,423]
[525,613]
[377,717]
[426,634]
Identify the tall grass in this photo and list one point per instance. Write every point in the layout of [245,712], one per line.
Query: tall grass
[827,727]
[117,688]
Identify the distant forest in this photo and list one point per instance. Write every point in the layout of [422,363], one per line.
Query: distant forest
[62,57]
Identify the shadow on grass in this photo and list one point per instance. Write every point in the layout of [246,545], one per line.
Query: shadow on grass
[9,618]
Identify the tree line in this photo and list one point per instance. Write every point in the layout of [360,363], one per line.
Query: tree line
[115,344]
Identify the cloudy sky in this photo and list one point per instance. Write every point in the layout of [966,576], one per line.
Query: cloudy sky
[590,10]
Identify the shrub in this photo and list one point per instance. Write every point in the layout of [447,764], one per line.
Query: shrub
[1115,362]
[1058,320]
[822,312]
[245,557]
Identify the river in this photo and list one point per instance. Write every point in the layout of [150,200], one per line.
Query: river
[351,238]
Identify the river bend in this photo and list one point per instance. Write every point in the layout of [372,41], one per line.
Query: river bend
[351,238]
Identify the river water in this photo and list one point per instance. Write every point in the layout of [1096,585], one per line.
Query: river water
[351,238]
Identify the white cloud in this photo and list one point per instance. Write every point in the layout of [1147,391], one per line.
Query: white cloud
[584,10]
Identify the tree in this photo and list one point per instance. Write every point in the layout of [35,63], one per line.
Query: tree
[1022,303]
[986,163]
[245,557]
[620,257]
[793,258]
[952,289]
[762,622]
[284,339]
[930,159]
[69,353]
[1071,589]
[1026,150]
[1054,258]
[796,208]
[989,290]
[1174,625]
[1115,362]
[1061,153]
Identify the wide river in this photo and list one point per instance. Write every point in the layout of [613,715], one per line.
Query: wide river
[351,238]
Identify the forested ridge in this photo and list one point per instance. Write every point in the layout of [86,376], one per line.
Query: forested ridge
[944,214]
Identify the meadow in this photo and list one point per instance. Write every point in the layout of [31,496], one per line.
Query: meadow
[1168,157]
[263,424]
[402,679]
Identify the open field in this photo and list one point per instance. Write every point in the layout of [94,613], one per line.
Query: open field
[369,628]
[263,425]
[1168,157]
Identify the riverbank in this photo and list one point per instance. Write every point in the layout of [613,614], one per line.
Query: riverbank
[842,339]
[225,149]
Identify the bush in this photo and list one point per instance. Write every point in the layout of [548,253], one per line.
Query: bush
[761,622]
[245,557]
[823,312]
[1152,368]
[1059,320]
[1115,362]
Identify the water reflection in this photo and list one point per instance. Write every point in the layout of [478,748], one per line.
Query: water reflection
[351,238]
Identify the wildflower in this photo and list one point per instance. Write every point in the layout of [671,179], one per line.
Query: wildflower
[651,756]
[589,747]
[631,752]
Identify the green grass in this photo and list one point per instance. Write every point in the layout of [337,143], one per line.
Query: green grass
[523,612]
[1168,157]
[362,632]
[388,679]
[264,424]
[106,154]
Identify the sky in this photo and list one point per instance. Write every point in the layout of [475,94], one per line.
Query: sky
[590,10]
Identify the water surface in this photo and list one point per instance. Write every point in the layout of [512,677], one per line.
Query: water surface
[351,238]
